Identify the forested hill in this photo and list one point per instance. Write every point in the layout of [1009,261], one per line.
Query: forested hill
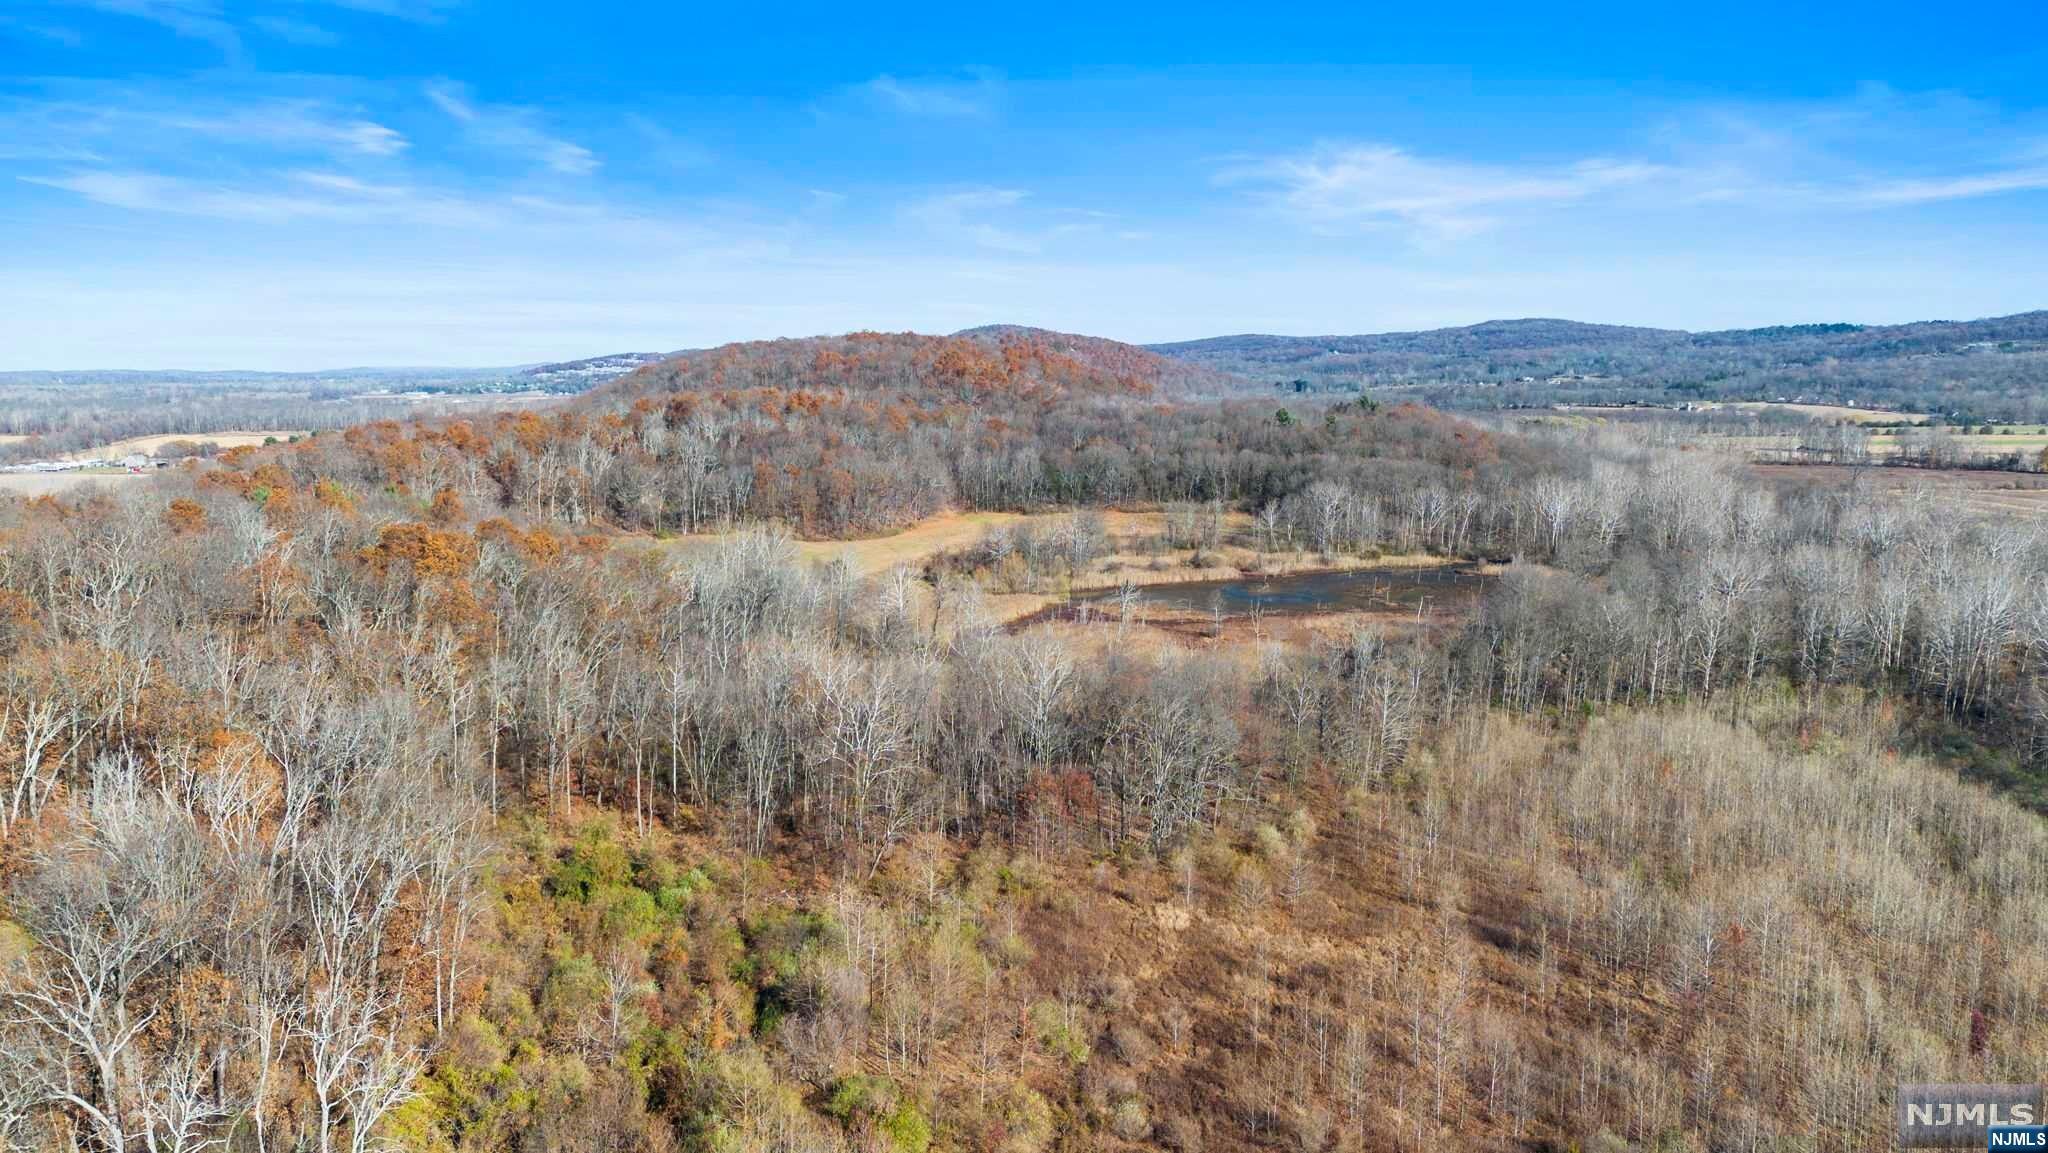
[1991,368]
[1173,375]
[869,432]
[975,364]
[413,788]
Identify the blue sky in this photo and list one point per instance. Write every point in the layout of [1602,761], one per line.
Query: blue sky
[318,183]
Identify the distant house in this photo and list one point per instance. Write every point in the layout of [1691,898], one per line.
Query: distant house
[135,460]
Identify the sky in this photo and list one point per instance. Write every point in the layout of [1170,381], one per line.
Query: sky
[307,184]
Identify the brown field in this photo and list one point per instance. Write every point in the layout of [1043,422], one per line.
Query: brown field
[927,538]
[1833,412]
[949,531]
[2027,441]
[871,556]
[1990,493]
[147,445]
[48,483]
[1246,640]
[1989,444]
[1131,560]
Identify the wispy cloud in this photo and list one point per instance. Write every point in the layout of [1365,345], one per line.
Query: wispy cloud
[970,215]
[11,25]
[274,199]
[1348,187]
[1875,150]
[935,97]
[298,32]
[290,124]
[212,22]
[511,131]
[417,11]
[120,120]
[1007,221]
[194,19]
[665,146]
[1936,189]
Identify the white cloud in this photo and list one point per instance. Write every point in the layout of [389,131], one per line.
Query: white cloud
[154,120]
[150,192]
[298,32]
[193,19]
[1872,151]
[321,203]
[966,215]
[1338,188]
[936,98]
[290,124]
[511,131]
[283,198]
[666,146]
[211,21]
[1875,148]
[1954,187]
[416,11]
[58,33]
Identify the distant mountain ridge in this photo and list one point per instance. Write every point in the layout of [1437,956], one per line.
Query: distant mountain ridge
[560,376]
[1541,332]
[1992,368]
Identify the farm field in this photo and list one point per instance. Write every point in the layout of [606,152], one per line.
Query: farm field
[147,445]
[1991,493]
[48,483]
[1989,444]
[1831,412]
[1135,556]
[2027,442]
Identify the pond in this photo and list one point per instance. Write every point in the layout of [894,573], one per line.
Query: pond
[1410,589]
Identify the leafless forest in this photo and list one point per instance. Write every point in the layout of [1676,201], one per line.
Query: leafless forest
[516,783]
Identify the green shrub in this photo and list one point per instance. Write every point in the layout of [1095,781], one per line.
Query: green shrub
[593,861]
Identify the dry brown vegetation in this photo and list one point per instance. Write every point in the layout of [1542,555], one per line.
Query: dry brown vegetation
[150,445]
[1993,494]
[398,788]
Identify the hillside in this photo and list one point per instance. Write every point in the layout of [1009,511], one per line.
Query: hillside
[975,364]
[516,781]
[564,376]
[1170,375]
[1989,368]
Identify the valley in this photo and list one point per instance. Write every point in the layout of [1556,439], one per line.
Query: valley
[655,578]
[991,742]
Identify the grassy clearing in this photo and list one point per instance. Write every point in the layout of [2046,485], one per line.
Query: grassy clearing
[1131,560]
[2028,442]
[2000,494]
[1989,443]
[146,445]
[873,555]
[50,483]
[1837,412]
